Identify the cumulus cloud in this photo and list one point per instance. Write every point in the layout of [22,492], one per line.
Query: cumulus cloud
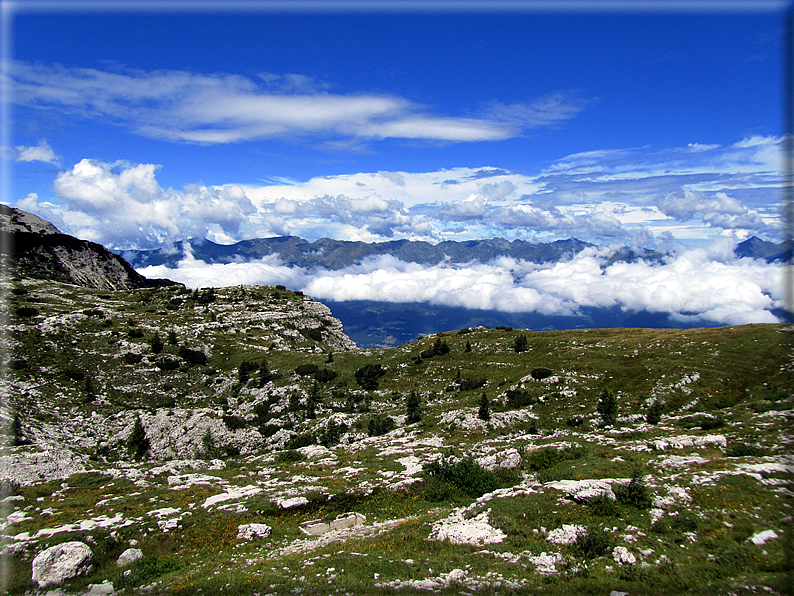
[41,152]
[691,286]
[122,205]
[227,108]
[717,209]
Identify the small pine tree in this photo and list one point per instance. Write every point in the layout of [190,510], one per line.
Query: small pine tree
[608,407]
[157,344]
[88,386]
[138,442]
[484,412]
[654,415]
[172,337]
[413,408]
[330,359]
[468,346]
[264,373]
[207,445]
[520,343]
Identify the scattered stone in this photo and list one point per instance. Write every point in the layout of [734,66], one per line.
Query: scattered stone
[293,502]
[129,556]
[61,562]
[567,534]
[343,520]
[622,555]
[251,531]
[760,538]
[476,531]
[546,563]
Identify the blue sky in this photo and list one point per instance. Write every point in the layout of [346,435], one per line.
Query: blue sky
[608,122]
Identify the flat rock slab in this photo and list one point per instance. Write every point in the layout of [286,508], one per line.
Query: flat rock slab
[343,520]
[61,562]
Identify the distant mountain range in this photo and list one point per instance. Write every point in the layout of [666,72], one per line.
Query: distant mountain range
[330,254]
[338,254]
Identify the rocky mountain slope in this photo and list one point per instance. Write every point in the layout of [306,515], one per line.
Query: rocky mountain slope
[34,248]
[234,440]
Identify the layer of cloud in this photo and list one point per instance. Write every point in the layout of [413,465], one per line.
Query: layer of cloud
[227,108]
[694,285]
[600,197]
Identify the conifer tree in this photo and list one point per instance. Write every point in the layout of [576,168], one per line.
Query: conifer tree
[608,407]
[413,408]
[138,442]
[484,412]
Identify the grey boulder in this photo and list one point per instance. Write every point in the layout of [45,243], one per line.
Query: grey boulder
[61,562]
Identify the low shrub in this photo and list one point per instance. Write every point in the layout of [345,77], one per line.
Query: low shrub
[324,375]
[472,383]
[26,312]
[592,544]
[634,494]
[288,456]
[380,424]
[654,415]
[518,398]
[575,421]
[745,450]
[549,457]
[540,373]
[167,364]
[702,422]
[367,376]
[465,475]
[132,358]
[603,506]
[306,369]
[192,356]
[233,422]
[298,441]
[135,333]
[268,430]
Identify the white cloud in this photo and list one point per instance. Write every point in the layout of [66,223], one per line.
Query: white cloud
[691,286]
[41,152]
[122,205]
[226,108]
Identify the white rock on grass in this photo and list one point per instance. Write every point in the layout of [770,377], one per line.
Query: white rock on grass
[61,562]
[760,538]
[251,531]
[129,556]
[476,531]
[622,555]
[508,459]
[582,490]
[567,534]
[292,502]
[546,563]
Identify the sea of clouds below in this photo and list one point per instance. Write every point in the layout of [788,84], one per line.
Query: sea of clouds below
[697,284]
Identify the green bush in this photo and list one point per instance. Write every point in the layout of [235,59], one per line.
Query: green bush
[654,415]
[574,421]
[367,376]
[332,434]
[324,375]
[634,494]
[603,506]
[518,398]
[472,383]
[135,333]
[745,450]
[192,356]
[592,544]
[549,457]
[465,475]
[314,334]
[288,456]
[306,369]
[132,358]
[167,364]
[298,441]
[437,349]
[540,373]
[233,422]
[380,424]
[25,312]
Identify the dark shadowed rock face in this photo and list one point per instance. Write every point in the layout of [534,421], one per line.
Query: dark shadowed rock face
[32,247]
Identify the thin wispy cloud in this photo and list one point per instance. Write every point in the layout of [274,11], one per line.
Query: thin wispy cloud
[227,108]
[41,152]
